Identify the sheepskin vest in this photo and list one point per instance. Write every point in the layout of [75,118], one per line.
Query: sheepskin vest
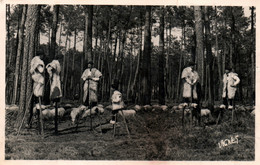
[37,70]
[230,81]
[54,70]
[93,84]
[117,100]
[190,77]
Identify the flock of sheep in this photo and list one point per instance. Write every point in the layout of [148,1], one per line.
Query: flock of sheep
[82,112]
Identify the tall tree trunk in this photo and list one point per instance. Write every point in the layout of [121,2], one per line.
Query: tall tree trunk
[131,68]
[146,73]
[168,83]
[19,54]
[218,55]
[199,42]
[29,46]
[54,31]
[58,50]
[133,86]
[232,45]
[252,55]
[73,64]
[161,63]
[63,65]
[209,58]
[88,32]
[107,58]
[8,19]
[66,58]
[7,55]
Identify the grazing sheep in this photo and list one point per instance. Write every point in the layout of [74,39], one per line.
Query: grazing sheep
[164,107]
[205,112]
[137,107]
[182,105]
[42,108]
[50,114]
[156,107]
[175,107]
[194,105]
[76,112]
[128,113]
[94,110]
[147,107]
[11,107]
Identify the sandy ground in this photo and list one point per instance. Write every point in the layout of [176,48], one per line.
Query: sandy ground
[154,135]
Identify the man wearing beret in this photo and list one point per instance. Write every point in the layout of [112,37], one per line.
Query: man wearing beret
[230,82]
[90,76]
[190,78]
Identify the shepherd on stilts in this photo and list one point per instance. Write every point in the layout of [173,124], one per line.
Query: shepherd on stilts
[91,77]
[37,71]
[54,70]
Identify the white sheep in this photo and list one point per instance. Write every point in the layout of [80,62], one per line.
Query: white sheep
[147,107]
[76,112]
[205,112]
[127,113]
[194,105]
[137,107]
[50,114]
[182,105]
[42,108]
[156,107]
[175,107]
[164,107]
[94,110]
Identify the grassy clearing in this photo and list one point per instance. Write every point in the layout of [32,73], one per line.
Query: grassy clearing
[155,135]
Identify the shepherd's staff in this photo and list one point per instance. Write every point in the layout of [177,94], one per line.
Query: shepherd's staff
[89,102]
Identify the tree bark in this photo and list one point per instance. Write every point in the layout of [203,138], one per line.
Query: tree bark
[19,54]
[29,46]
[88,32]
[161,63]
[209,58]
[232,45]
[54,31]
[218,55]
[199,42]
[252,55]
[146,73]
[8,19]
[133,86]
[59,49]
[73,64]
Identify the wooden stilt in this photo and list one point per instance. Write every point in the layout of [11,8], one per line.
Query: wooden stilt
[40,118]
[91,127]
[56,117]
[183,116]
[125,123]
[114,126]
[100,122]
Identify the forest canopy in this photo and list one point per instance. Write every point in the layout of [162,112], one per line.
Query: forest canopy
[144,47]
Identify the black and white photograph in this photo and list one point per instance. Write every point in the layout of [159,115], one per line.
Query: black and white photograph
[129,82]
